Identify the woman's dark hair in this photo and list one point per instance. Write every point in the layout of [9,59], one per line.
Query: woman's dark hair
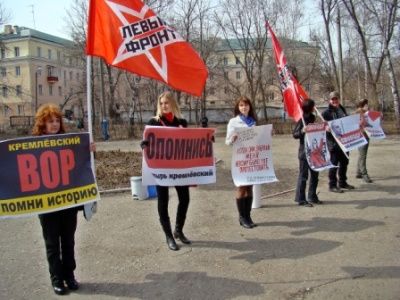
[245,100]
[362,103]
[308,106]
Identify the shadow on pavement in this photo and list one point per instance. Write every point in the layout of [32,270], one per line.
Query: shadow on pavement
[362,204]
[176,285]
[373,272]
[325,225]
[257,250]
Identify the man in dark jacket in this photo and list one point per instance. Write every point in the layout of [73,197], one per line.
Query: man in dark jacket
[336,111]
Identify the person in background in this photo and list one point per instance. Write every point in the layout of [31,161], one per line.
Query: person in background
[58,227]
[304,169]
[362,172]
[336,111]
[244,117]
[169,114]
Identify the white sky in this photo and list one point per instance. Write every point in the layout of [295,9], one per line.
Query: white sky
[50,15]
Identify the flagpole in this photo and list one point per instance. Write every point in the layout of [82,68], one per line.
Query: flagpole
[89,208]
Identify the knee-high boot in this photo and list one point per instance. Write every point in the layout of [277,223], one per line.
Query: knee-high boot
[166,226]
[241,206]
[249,203]
[178,233]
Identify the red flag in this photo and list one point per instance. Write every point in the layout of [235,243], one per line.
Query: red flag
[129,35]
[293,93]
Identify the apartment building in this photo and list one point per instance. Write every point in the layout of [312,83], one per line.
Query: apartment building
[36,68]
[229,75]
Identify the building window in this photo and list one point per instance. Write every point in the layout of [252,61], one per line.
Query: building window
[226,90]
[5,91]
[225,61]
[50,90]
[226,75]
[49,53]
[21,110]
[16,51]
[70,75]
[77,76]
[59,91]
[237,60]
[212,91]
[39,51]
[238,75]
[3,53]
[58,55]
[3,72]
[17,71]
[212,102]
[40,89]
[51,71]
[18,90]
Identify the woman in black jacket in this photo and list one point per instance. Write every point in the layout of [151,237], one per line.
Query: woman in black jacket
[169,114]
[304,168]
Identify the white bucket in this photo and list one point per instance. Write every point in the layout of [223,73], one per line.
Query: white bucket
[256,196]
[139,192]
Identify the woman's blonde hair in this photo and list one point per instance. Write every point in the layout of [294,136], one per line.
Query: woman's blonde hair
[172,102]
[44,113]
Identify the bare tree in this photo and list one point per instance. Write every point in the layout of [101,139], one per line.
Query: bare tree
[4,14]
[327,8]
[242,24]
[385,14]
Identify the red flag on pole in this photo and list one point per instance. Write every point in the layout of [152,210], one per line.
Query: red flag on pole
[129,35]
[292,91]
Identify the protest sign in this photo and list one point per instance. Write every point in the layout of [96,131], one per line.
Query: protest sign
[178,156]
[317,153]
[373,125]
[252,157]
[45,173]
[347,132]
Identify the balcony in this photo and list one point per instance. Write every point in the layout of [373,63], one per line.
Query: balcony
[52,79]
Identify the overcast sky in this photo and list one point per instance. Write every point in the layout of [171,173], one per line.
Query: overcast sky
[49,15]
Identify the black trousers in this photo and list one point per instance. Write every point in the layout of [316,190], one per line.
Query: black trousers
[304,170]
[163,200]
[338,159]
[59,237]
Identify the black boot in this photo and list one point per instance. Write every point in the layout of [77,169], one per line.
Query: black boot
[166,226]
[249,203]
[241,206]
[178,234]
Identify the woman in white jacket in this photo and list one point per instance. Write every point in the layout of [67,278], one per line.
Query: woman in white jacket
[244,117]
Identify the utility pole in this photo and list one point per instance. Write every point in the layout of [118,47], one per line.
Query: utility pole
[339,41]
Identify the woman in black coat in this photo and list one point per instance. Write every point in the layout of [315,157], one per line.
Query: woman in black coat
[304,169]
[169,114]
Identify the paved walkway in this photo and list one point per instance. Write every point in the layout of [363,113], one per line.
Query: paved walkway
[348,248]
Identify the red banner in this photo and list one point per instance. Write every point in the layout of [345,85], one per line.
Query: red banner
[292,91]
[129,35]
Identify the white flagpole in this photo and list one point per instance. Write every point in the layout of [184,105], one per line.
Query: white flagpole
[89,208]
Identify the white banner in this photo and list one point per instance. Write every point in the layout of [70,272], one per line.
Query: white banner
[347,132]
[252,157]
[316,149]
[178,156]
[373,125]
